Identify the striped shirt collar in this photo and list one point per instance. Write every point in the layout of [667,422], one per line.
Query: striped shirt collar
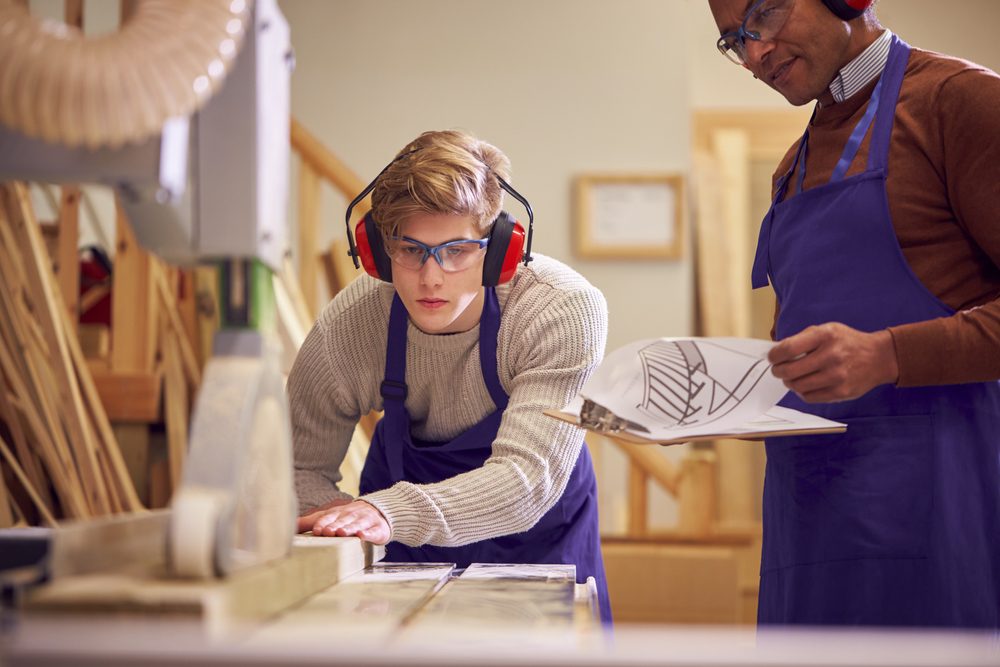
[862,70]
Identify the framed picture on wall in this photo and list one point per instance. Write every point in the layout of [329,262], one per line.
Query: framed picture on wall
[628,216]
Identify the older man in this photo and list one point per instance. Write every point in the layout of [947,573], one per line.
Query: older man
[883,248]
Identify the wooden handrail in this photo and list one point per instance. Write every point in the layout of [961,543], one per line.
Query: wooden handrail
[328,165]
[662,470]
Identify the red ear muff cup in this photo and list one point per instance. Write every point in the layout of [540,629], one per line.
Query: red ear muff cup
[505,250]
[848,9]
[371,249]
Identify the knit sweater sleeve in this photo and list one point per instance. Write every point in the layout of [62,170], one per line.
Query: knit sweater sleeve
[324,401]
[551,340]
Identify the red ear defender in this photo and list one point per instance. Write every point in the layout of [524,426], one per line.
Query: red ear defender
[848,9]
[505,251]
[371,250]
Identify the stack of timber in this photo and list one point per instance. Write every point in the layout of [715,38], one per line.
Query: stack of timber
[58,454]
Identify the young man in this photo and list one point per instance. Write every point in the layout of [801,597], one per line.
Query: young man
[463,352]
[883,248]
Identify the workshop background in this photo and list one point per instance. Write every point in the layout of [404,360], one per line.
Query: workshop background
[573,89]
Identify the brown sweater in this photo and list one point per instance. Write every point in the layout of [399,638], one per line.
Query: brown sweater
[944,198]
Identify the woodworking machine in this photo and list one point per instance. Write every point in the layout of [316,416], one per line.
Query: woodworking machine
[185,113]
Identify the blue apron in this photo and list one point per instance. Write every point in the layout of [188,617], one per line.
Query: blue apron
[897,521]
[568,533]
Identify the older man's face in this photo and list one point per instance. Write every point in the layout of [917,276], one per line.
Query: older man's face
[802,59]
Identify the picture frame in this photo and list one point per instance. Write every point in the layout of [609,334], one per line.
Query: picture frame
[629,216]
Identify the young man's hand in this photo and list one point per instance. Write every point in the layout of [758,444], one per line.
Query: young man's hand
[346,518]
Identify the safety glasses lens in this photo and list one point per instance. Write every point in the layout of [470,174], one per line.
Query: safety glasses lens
[452,256]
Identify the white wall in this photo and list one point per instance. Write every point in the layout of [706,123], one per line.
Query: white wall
[562,86]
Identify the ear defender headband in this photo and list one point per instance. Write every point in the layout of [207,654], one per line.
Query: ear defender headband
[848,9]
[508,243]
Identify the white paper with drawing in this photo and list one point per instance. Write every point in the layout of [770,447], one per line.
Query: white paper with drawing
[669,388]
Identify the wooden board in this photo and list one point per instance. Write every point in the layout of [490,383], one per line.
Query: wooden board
[370,605]
[130,397]
[490,597]
[656,583]
[222,607]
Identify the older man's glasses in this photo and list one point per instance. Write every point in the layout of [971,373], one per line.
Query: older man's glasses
[762,23]
[451,256]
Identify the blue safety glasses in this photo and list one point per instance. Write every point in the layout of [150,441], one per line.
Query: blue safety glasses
[762,23]
[451,256]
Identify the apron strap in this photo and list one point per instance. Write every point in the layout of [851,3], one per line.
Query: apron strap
[489,330]
[393,387]
[858,135]
[895,70]
[758,274]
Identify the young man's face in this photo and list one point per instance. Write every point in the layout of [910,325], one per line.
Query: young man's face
[438,301]
[805,55]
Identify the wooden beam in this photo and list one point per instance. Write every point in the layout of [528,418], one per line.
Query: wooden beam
[657,466]
[29,488]
[221,607]
[309,202]
[323,161]
[696,497]
[51,315]
[123,481]
[175,404]
[638,499]
[188,358]
[67,264]
[130,397]
[133,299]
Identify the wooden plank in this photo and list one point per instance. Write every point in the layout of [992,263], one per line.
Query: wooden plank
[309,201]
[656,465]
[51,314]
[328,165]
[696,496]
[652,583]
[294,290]
[491,597]
[338,267]
[187,311]
[67,260]
[168,303]
[638,499]
[206,280]
[10,406]
[133,542]
[134,444]
[370,605]
[49,405]
[55,458]
[6,503]
[95,340]
[36,498]
[771,131]
[175,404]
[130,397]
[221,607]
[133,299]
[95,406]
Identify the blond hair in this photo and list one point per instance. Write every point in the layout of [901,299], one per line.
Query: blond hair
[445,171]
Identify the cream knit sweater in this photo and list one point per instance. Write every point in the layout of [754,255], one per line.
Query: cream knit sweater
[552,335]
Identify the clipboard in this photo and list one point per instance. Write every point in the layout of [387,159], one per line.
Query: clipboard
[826,427]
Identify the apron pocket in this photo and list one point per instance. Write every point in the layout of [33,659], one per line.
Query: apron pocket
[866,493]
